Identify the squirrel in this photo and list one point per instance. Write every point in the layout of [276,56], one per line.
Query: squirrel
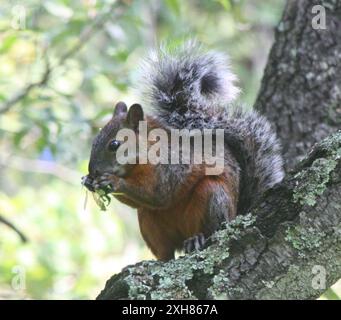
[179,206]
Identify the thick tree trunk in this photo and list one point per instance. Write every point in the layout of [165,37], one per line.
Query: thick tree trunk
[301,88]
[290,247]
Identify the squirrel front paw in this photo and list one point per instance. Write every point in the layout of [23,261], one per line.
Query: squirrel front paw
[107,182]
[194,243]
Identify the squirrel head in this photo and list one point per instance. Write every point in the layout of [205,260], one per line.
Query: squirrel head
[104,159]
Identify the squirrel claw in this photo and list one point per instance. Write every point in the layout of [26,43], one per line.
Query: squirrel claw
[194,243]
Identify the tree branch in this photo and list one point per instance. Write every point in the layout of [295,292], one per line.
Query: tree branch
[9,224]
[294,231]
[22,93]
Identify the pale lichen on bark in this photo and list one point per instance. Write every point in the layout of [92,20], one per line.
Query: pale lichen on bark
[311,182]
[171,280]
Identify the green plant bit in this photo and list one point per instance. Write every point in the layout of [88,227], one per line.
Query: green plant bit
[102,197]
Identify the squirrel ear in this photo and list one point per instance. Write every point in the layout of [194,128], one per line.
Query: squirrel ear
[120,108]
[135,114]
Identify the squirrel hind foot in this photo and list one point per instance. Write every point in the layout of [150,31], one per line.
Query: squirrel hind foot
[194,243]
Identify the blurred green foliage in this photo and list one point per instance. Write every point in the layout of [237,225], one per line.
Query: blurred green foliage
[63,64]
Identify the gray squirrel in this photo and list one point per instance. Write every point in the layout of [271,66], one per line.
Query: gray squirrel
[178,205]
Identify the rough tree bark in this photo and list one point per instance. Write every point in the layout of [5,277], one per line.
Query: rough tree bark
[301,87]
[291,237]
[294,233]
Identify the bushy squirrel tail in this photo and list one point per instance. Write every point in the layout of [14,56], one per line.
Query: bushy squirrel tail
[187,80]
[193,89]
[258,151]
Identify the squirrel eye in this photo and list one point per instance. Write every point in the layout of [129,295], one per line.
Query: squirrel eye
[113,145]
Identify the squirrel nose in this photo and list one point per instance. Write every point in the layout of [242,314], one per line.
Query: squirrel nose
[87,182]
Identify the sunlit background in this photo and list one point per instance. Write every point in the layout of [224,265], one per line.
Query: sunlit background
[63,65]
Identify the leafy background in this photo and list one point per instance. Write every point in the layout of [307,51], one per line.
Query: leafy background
[63,65]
